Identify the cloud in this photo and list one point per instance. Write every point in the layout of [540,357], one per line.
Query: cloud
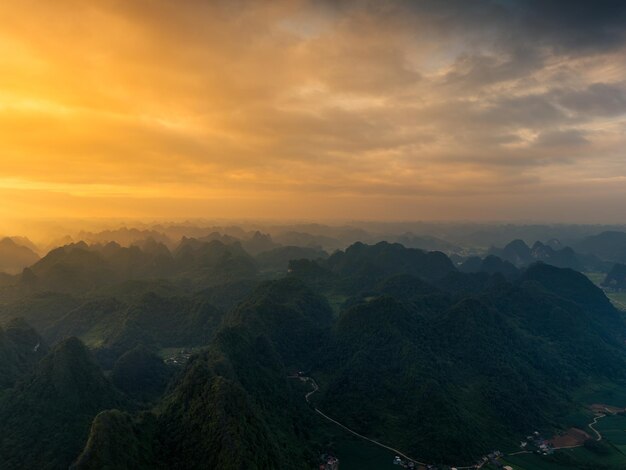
[250,103]
[598,99]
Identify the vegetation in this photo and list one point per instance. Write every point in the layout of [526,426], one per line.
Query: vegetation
[141,374]
[21,348]
[442,362]
[616,277]
[45,419]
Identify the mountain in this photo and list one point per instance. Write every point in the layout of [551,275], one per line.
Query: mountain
[445,364]
[609,246]
[571,285]
[371,263]
[517,252]
[213,262]
[319,241]
[258,243]
[45,419]
[278,259]
[616,277]
[491,265]
[21,348]
[211,419]
[117,318]
[121,441]
[124,236]
[113,327]
[520,254]
[41,310]
[436,378]
[15,257]
[233,406]
[141,374]
[245,415]
[425,242]
[291,315]
[80,268]
[69,268]
[563,258]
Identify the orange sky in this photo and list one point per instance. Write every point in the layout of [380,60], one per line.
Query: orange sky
[309,109]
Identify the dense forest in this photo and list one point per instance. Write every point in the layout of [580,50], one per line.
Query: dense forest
[146,356]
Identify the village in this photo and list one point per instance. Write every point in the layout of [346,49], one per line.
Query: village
[329,462]
[178,358]
[492,458]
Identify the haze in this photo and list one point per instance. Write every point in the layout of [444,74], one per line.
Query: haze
[381,110]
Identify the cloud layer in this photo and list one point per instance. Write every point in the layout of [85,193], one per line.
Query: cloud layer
[352,109]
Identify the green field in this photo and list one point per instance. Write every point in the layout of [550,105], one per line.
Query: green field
[596,278]
[618,299]
[613,430]
[579,458]
[532,462]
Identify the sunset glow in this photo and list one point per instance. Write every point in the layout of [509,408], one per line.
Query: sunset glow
[296,109]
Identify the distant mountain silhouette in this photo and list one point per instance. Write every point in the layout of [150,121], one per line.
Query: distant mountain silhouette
[425,242]
[609,246]
[80,267]
[277,259]
[491,265]
[520,254]
[15,257]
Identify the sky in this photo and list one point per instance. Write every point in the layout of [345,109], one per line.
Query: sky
[371,110]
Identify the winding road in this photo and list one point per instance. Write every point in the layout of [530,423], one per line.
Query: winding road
[593,423]
[316,387]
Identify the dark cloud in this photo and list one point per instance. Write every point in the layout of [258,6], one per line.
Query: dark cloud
[570,138]
[574,24]
[599,99]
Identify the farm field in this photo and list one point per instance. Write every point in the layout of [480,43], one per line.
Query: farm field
[618,299]
[610,454]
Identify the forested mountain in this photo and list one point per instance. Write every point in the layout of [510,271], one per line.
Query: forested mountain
[443,363]
[233,407]
[21,348]
[473,367]
[491,265]
[520,254]
[278,259]
[45,419]
[82,268]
